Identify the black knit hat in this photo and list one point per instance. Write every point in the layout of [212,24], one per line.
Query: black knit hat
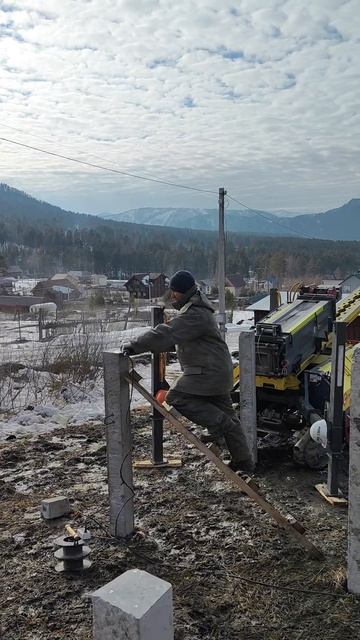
[182,281]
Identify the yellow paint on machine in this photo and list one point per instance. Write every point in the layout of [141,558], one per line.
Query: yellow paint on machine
[279,384]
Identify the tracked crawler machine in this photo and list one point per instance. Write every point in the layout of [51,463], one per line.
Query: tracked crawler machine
[293,366]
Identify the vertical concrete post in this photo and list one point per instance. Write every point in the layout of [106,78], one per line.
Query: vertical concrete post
[353,578]
[247,388]
[118,443]
[336,410]
[134,606]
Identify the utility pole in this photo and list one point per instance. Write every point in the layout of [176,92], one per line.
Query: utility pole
[221,263]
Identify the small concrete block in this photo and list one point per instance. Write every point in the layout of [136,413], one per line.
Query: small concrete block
[55,507]
[135,606]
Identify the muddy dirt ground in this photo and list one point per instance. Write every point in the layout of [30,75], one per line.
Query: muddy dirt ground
[234,574]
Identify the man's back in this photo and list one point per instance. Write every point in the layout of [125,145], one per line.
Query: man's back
[203,355]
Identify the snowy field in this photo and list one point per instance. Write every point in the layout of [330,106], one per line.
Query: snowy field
[35,399]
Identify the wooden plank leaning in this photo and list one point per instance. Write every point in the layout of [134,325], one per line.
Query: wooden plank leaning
[295,529]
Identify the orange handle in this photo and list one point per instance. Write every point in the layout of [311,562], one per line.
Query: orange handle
[160,396]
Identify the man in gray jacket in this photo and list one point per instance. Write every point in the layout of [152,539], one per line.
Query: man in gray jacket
[202,392]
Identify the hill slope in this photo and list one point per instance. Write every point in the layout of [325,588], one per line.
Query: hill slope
[240,220]
[43,239]
[342,223]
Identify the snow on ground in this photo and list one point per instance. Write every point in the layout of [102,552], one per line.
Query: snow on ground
[73,405]
[34,353]
[9,331]
[54,401]
[243,316]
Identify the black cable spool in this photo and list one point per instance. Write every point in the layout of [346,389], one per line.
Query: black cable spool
[72,555]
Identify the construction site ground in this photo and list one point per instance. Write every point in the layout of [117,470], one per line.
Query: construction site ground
[235,576]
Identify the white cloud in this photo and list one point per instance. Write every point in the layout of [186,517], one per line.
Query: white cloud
[261,96]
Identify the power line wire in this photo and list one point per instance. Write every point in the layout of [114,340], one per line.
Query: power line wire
[153,179]
[97,166]
[262,215]
[53,141]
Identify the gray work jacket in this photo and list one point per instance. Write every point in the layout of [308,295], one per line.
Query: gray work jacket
[203,355]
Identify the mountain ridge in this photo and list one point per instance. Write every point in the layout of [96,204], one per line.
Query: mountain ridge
[42,239]
[341,223]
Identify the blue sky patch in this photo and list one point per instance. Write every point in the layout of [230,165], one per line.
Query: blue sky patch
[189,102]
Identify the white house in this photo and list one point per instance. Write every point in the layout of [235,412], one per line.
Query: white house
[351,283]
[99,279]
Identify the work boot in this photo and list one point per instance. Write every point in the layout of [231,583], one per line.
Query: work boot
[210,439]
[236,442]
[244,466]
[206,438]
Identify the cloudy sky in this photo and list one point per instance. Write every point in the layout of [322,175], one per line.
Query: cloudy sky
[259,96]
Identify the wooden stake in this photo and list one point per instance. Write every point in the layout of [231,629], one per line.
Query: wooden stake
[293,528]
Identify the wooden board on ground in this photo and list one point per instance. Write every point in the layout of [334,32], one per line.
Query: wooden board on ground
[335,501]
[293,528]
[169,463]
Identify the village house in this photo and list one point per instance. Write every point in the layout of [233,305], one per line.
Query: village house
[60,288]
[205,285]
[235,283]
[351,283]
[18,304]
[6,285]
[84,277]
[99,280]
[147,285]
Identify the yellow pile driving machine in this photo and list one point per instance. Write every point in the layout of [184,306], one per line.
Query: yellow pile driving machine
[293,347]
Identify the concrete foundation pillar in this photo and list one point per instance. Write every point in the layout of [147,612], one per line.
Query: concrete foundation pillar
[353,578]
[248,416]
[118,444]
[134,606]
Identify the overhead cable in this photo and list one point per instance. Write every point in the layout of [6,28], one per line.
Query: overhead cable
[156,180]
[271,220]
[98,166]
[53,141]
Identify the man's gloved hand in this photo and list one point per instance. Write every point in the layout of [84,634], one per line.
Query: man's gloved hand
[127,349]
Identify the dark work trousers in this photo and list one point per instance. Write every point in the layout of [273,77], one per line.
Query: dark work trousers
[216,413]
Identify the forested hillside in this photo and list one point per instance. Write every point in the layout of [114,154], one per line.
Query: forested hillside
[43,239]
[342,223]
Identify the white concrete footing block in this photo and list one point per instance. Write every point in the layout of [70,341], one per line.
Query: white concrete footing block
[55,507]
[134,606]
[353,577]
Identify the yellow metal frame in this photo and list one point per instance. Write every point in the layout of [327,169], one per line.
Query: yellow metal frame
[272,318]
[347,311]
[349,308]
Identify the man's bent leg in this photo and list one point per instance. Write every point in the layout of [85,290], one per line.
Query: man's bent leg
[198,409]
[217,415]
[233,431]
